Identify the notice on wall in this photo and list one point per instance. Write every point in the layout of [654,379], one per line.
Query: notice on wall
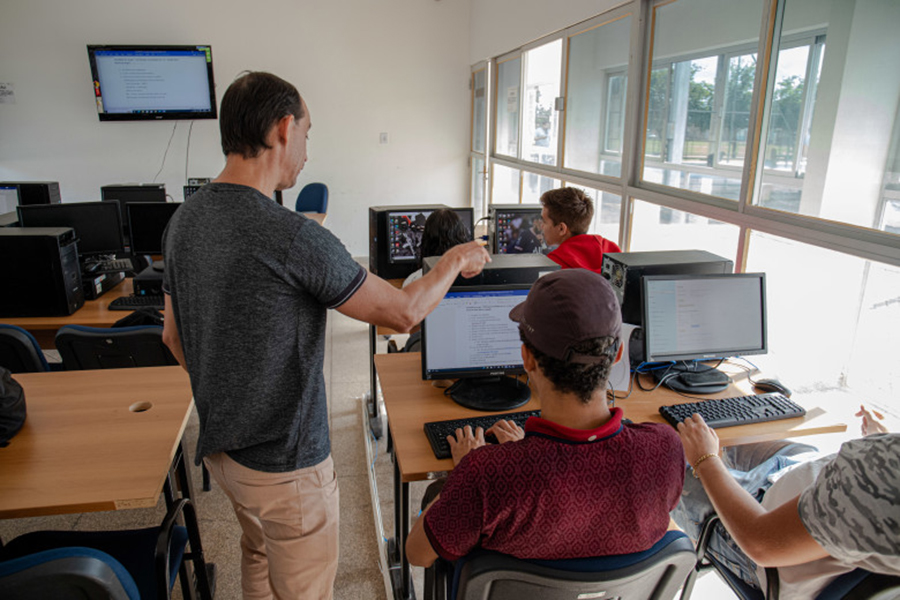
[7,93]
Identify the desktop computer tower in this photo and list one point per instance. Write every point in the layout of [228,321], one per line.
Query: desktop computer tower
[504,269]
[380,261]
[40,272]
[624,271]
[34,192]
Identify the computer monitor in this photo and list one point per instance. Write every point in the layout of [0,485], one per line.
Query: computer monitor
[517,229]
[470,337]
[147,221]
[126,194]
[96,224]
[691,318]
[405,228]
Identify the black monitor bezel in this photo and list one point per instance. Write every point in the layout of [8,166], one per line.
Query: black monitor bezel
[717,353]
[113,212]
[92,49]
[471,373]
[512,208]
[465,213]
[160,206]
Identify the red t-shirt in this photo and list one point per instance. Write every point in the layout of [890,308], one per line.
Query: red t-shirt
[562,493]
[583,251]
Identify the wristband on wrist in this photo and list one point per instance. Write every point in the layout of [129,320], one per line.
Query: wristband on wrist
[700,460]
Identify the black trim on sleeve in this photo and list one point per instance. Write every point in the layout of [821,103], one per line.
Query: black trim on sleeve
[348,291]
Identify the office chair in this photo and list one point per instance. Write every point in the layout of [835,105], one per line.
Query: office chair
[858,584]
[129,564]
[313,198]
[654,574]
[84,348]
[20,352]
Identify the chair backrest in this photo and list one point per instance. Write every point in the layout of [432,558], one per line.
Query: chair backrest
[20,352]
[71,572]
[112,348]
[862,585]
[312,198]
[654,574]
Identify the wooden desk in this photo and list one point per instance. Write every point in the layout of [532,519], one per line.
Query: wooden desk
[84,447]
[94,313]
[410,402]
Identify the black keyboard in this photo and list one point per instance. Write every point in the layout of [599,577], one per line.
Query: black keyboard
[741,410]
[438,431]
[109,266]
[136,302]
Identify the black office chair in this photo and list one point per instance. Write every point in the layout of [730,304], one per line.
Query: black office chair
[20,352]
[84,348]
[858,584]
[654,574]
[312,198]
[132,564]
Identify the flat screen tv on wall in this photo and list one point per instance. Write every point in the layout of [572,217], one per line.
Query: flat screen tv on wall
[137,83]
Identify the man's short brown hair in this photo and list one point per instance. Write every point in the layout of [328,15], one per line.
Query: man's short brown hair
[570,206]
[251,106]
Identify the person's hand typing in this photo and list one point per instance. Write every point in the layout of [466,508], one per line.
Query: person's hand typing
[698,439]
[506,431]
[464,442]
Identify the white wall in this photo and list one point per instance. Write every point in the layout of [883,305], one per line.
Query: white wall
[364,67]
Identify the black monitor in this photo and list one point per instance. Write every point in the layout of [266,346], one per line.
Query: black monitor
[405,228]
[96,224]
[692,318]
[517,229]
[126,194]
[135,83]
[470,337]
[147,221]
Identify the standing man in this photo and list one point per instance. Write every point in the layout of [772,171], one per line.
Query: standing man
[567,215]
[247,287]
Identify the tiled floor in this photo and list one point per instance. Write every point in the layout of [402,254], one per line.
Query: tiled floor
[360,573]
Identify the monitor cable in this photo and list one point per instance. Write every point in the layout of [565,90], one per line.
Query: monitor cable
[166,153]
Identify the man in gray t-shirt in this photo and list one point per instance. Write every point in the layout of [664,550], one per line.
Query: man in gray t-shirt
[248,284]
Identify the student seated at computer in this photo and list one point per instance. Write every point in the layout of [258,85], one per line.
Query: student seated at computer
[577,482]
[567,214]
[443,230]
[785,506]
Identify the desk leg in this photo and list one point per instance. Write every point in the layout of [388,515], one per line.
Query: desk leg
[399,567]
[374,420]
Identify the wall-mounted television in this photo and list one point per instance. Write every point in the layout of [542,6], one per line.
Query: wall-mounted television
[137,83]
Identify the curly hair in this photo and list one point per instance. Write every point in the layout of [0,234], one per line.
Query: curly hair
[570,206]
[574,378]
[443,230]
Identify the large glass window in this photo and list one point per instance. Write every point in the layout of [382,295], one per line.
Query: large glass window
[656,227]
[534,186]
[596,93]
[540,123]
[509,76]
[479,110]
[505,185]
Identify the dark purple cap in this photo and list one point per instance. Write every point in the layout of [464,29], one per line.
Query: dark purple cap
[567,307]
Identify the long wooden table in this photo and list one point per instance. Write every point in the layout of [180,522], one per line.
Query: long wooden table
[94,440]
[410,402]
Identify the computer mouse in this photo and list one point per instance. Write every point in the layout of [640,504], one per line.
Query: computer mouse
[771,385]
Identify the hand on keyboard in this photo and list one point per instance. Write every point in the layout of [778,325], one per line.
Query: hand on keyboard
[464,441]
[505,431]
[699,440]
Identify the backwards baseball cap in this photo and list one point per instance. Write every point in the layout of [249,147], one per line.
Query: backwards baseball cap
[567,307]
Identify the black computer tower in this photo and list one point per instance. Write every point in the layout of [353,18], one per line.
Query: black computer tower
[625,270]
[40,272]
[380,262]
[504,269]
[35,192]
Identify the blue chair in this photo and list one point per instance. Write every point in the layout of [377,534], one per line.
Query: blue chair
[654,574]
[84,347]
[144,563]
[858,584]
[313,198]
[20,352]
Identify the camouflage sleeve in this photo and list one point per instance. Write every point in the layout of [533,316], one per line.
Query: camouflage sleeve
[853,508]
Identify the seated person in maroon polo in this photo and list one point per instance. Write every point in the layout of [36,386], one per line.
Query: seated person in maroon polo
[567,215]
[578,482]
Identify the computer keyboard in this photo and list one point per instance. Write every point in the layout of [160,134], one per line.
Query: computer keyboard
[438,431]
[109,266]
[136,302]
[740,410]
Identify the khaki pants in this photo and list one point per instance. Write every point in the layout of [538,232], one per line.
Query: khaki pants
[289,521]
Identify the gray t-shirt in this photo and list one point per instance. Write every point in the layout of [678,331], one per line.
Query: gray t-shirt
[853,508]
[250,283]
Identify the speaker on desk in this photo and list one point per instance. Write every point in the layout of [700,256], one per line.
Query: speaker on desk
[40,272]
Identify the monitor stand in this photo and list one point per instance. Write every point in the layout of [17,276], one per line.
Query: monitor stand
[499,393]
[158,265]
[692,378]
